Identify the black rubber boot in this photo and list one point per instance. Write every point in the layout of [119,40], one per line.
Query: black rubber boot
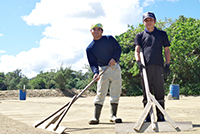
[160,116]
[148,118]
[113,111]
[97,112]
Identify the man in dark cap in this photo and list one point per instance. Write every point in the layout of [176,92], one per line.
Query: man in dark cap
[152,41]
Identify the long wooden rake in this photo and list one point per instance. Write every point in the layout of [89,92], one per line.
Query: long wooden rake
[53,124]
[149,107]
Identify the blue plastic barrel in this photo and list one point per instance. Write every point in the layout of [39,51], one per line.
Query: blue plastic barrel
[174,91]
[22,94]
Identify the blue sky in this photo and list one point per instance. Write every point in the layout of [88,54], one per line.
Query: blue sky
[39,35]
[15,30]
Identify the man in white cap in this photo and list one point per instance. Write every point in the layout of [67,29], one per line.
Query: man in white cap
[152,41]
[101,52]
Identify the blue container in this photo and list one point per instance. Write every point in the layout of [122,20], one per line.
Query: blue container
[22,94]
[174,91]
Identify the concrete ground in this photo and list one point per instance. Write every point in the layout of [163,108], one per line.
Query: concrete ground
[25,113]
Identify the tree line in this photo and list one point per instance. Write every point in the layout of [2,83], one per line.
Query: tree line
[184,37]
[63,78]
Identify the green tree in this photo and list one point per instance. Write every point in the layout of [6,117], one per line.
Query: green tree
[49,79]
[38,81]
[12,79]
[184,35]
[2,85]
[24,81]
[64,78]
[84,79]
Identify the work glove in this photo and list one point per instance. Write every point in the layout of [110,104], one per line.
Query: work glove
[140,65]
[167,70]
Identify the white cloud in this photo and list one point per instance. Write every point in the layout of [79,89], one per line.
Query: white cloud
[1,34]
[67,35]
[2,51]
[147,3]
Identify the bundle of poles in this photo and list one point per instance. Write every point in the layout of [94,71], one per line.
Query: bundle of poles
[53,124]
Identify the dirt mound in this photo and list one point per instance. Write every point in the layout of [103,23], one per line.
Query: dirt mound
[14,94]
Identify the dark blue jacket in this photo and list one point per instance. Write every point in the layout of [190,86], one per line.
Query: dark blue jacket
[100,52]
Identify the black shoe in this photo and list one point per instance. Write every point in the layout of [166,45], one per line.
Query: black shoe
[93,122]
[160,118]
[148,119]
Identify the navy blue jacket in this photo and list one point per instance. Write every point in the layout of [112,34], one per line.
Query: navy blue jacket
[100,52]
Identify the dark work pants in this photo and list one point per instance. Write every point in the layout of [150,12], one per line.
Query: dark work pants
[155,76]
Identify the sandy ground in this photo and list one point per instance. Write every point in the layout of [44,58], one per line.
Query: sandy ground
[17,116]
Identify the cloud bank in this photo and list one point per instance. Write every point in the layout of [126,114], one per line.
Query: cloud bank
[67,34]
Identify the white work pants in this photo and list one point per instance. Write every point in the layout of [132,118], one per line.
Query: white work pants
[111,80]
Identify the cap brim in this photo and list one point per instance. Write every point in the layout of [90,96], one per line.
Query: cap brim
[95,27]
[148,17]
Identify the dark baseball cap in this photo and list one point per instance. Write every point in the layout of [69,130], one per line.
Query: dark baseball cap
[149,15]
